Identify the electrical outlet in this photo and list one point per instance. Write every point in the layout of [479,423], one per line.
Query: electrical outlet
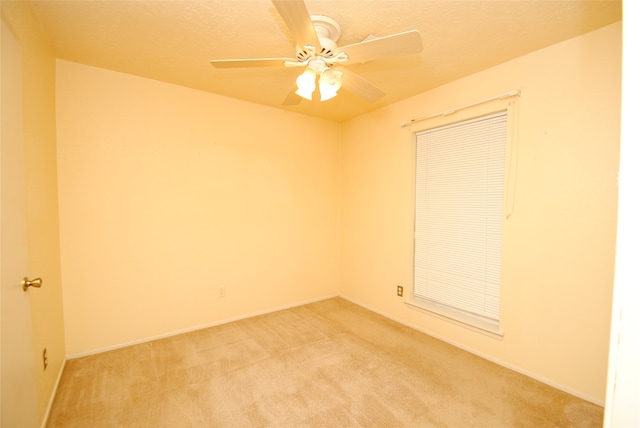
[400,290]
[45,359]
[222,292]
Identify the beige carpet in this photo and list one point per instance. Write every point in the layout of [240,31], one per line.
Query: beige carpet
[326,364]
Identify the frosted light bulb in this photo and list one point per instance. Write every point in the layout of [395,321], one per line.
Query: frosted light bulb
[306,83]
[330,82]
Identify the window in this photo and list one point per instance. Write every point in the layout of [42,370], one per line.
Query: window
[459,215]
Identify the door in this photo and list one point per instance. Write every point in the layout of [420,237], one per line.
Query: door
[17,373]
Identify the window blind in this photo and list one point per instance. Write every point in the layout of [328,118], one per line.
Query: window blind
[459,214]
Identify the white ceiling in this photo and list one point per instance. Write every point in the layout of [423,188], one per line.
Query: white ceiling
[173,41]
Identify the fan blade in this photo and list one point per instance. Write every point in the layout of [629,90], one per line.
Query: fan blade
[405,43]
[353,82]
[242,63]
[295,15]
[292,98]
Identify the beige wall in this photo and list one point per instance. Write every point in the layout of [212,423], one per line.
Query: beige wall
[167,194]
[559,241]
[41,194]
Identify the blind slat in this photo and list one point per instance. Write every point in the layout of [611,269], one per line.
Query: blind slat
[459,214]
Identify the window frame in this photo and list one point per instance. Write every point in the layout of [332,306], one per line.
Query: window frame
[459,317]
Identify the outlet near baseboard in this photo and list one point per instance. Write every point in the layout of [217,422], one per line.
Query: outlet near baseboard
[400,290]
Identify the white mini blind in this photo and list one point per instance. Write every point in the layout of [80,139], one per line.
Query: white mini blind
[459,214]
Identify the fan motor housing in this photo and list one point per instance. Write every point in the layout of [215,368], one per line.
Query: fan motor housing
[327,49]
[328,32]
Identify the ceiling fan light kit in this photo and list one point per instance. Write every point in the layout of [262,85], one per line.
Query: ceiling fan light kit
[317,51]
[329,81]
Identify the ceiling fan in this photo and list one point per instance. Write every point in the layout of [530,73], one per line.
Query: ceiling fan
[322,59]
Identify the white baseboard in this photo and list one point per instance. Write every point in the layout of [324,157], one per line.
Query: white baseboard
[195,328]
[479,354]
[45,420]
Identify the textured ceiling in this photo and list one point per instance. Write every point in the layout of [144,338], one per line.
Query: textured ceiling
[173,41]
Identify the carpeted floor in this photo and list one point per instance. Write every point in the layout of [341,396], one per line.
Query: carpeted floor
[326,364]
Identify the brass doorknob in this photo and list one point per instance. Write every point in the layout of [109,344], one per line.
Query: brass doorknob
[26,283]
